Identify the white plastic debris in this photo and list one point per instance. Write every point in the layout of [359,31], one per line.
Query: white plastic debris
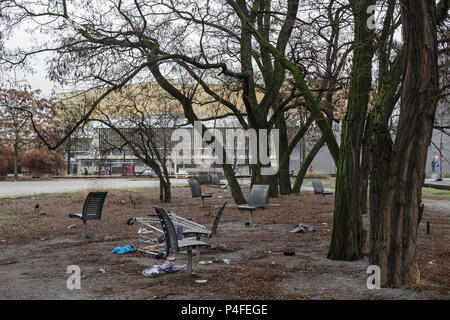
[201,281]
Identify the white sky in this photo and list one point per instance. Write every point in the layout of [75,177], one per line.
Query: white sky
[38,80]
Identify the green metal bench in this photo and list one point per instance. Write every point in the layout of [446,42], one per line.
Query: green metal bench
[92,209]
[172,241]
[259,195]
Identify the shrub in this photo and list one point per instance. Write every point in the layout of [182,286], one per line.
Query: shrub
[43,162]
[6,160]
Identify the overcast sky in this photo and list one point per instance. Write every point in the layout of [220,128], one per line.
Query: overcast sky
[38,80]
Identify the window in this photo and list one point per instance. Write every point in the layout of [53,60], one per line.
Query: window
[86,163]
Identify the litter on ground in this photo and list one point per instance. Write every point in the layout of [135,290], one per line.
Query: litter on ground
[303,228]
[122,250]
[166,267]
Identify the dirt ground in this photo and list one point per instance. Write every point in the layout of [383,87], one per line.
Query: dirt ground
[36,251]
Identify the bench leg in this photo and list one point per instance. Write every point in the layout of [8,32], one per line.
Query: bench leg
[203,202]
[83,229]
[250,218]
[197,252]
[189,264]
[323,199]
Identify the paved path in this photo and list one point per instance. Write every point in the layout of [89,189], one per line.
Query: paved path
[24,188]
[432,183]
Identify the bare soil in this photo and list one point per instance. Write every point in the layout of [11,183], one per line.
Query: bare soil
[35,251]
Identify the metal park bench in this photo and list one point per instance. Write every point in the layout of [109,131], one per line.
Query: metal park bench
[92,209]
[198,233]
[259,195]
[215,180]
[172,241]
[318,189]
[197,191]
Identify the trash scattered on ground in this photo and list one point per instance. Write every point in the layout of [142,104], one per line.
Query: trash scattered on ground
[102,270]
[122,250]
[160,255]
[171,258]
[166,267]
[201,281]
[205,262]
[289,253]
[303,228]
[273,263]
[226,261]
[72,226]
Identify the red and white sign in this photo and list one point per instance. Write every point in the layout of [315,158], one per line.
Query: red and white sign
[436,157]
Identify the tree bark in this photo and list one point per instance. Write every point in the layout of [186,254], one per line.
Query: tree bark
[348,236]
[165,194]
[397,207]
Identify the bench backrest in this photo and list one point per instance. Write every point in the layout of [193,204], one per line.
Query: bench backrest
[217,219]
[93,205]
[168,229]
[196,190]
[214,179]
[259,195]
[318,186]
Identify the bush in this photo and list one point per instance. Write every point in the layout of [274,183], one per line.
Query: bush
[6,160]
[43,162]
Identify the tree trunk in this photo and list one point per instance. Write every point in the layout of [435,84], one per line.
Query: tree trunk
[284,179]
[348,233]
[233,183]
[365,172]
[305,165]
[165,194]
[16,161]
[397,208]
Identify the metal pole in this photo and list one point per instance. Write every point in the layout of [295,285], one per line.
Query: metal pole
[440,178]
[440,156]
[189,266]
[84,229]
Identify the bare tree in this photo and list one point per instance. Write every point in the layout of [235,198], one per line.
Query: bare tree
[142,121]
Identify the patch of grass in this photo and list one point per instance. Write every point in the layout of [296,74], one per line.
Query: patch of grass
[431,192]
[329,182]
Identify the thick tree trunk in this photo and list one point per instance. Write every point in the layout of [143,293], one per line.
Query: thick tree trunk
[348,236]
[397,208]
